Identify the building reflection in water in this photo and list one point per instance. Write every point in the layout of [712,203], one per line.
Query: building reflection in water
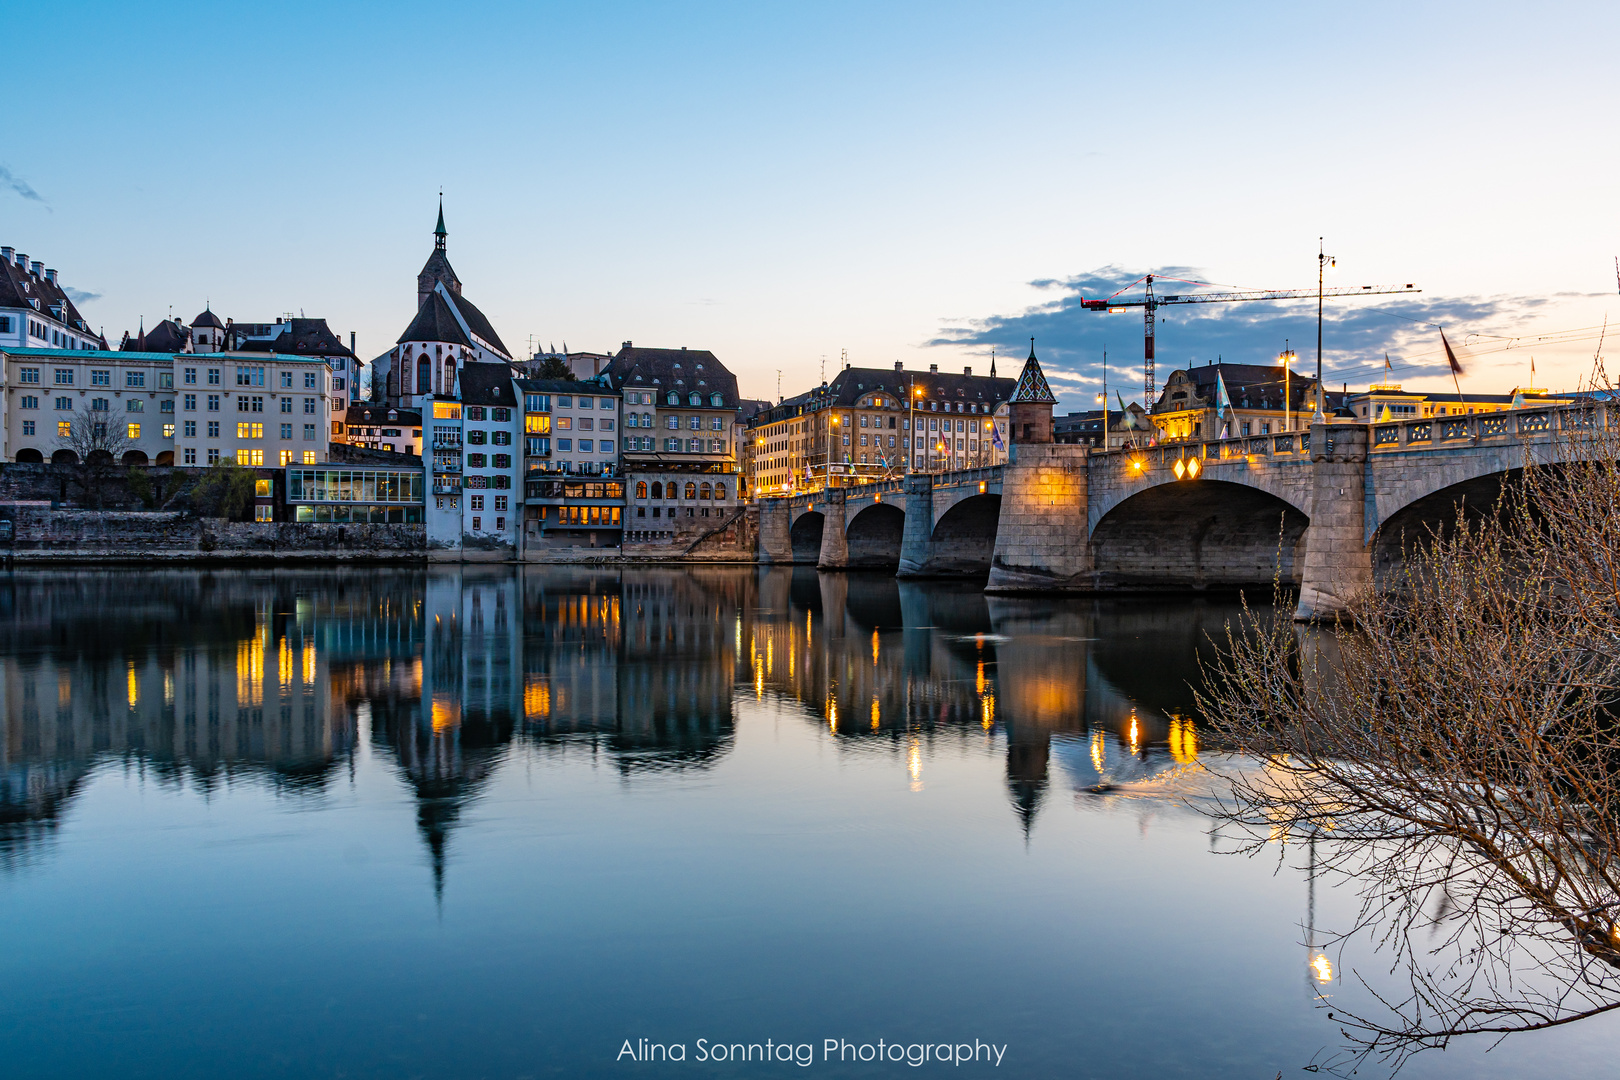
[277,676]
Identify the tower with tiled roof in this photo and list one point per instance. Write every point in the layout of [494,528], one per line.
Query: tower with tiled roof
[1032,402]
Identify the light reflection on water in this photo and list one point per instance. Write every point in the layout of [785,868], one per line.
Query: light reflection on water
[492,823]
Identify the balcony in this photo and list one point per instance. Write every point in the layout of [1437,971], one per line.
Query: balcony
[446,466]
[447,487]
[448,441]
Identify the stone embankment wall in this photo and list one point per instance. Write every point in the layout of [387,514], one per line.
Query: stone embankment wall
[45,535]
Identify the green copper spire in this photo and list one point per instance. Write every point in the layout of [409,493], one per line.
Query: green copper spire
[439,234]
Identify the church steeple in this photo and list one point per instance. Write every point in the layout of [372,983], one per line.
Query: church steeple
[438,233]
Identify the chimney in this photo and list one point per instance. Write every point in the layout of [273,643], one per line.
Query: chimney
[7,253]
[933,369]
[967,371]
[50,276]
[35,267]
[897,366]
[626,345]
[351,342]
[22,260]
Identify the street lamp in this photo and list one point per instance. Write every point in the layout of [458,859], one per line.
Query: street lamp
[1287,357]
[1323,263]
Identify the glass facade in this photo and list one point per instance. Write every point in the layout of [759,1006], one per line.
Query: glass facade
[358,495]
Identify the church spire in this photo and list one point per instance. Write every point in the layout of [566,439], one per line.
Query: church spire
[438,233]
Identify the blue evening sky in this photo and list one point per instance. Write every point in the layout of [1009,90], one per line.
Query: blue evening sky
[779,182]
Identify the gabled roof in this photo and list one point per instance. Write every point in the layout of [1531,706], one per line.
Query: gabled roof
[557,386]
[478,324]
[19,288]
[673,369]
[487,384]
[379,414]
[436,322]
[301,337]
[167,336]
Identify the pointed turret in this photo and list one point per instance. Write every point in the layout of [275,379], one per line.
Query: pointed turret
[1031,404]
[439,232]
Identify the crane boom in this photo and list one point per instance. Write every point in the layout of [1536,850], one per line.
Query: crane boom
[1150,303]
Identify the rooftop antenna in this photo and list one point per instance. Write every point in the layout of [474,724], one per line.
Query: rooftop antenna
[823,367]
[779,386]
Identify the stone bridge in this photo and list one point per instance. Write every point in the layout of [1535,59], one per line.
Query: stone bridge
[1324,510]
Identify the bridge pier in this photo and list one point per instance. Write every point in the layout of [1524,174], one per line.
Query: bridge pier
[916,542]
[834,543]
[775,521]
[1338,559]
[1041,539]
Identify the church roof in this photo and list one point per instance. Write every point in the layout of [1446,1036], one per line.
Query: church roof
[1032,382]
[478,324]
[436,322]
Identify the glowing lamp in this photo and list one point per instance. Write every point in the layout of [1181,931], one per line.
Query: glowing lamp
[1192,468]
[1181,468]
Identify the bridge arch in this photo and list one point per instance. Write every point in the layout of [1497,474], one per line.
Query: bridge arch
[1204,534]
[805,535]
[964,536]
[872,538]
[1287,482]
[1435,514]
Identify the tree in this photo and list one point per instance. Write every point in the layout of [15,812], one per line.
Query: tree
[1453,752]
[98,439]
[224,491]
[555,367]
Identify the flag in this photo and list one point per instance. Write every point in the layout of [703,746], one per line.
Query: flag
[995,440]
[1384,417]
[1223,400]
[1451,357]
[1126,418]
[1387,369]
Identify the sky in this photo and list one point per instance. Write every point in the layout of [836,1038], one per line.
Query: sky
[785,184]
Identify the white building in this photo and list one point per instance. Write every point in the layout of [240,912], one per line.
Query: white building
[35,311]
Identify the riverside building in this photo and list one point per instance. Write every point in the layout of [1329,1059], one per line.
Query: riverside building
[678,447]
[255,409]
[35,310]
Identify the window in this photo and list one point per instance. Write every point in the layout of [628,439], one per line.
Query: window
[475,502]
[309,406]
[28,427]
[720,491]
[287,457]
[717,424]
[564,423]
[475,412]
[585,446]
[168,431]
[213,376]
[501,416]
[213,403]
[504,461]
[641,489]
[189,456]
[135,405]
[64,377]
[189,376]
[673,423]
[565,444]
[286,433]
[309,457]
[191,429]
[213,429]
[311,384]
[134,431]
[286,404]
[264,513]
[213,455]
[500,502]
[166,406]
[695,423]
[30,402]
[309,432]
[673,398]
[64,429]
[134,380]
[249,431]
[250,375]
[190,403]
[477,524]
[587,423]
[691,490]
[501,438]
[475,437]
[29,375]
[258,403]
[476,461]
[100,404]
[286,380]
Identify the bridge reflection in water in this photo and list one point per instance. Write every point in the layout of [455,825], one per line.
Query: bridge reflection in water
[284,678]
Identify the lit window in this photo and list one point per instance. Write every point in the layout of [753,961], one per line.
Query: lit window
[263,513]
[134,431]
[168,431]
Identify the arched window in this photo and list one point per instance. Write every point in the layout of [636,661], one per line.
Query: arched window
[694,398]
[720,492]
[658,490]
[691,490]
[706,492]
[715,400]
[424,376]
[449,376]
[641,489]
[674,398]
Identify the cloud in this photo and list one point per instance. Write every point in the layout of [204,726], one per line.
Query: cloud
[80,296]
[1357,331]
[20,186]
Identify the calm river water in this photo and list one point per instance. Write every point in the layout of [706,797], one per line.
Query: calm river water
[496,823]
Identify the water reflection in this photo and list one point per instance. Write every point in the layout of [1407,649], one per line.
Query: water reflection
[275,677]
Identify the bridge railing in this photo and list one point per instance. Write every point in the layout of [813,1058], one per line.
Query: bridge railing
[1491,427]
[982,473]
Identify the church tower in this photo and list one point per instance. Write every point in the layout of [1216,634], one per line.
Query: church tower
[437,269]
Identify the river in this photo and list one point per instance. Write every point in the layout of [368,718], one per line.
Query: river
[370,822]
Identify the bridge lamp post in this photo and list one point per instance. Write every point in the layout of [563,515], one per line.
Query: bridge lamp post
[1286,358]
[1323,264]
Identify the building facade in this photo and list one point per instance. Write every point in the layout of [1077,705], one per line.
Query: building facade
[257,410]
[35,310]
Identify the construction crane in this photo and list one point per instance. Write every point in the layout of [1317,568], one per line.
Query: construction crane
[1151,303]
